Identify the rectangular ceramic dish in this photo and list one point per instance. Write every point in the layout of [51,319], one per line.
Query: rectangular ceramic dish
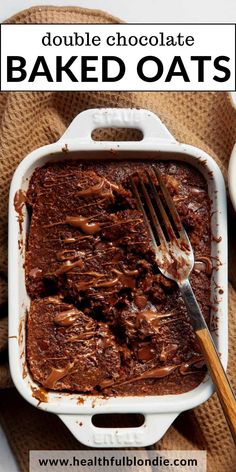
[76,410]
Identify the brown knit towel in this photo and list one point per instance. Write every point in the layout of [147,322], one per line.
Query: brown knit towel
[30,120]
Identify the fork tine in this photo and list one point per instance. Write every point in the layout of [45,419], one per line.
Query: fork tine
[184,239]
[168,200]
[154,216]
[164,215]
[141,208]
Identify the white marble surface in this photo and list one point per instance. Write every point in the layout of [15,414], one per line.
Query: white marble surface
[133,11]
[7,460]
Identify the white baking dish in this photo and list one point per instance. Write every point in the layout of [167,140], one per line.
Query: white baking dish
[76,410]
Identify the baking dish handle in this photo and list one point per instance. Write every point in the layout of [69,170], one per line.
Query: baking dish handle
[86,122]
[151,431]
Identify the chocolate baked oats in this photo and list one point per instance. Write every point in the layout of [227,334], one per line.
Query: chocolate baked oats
[103,319]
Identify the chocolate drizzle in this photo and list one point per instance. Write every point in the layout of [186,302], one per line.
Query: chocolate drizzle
[74,240]
[99,190]
[94,190]
[206,261]
[152,317]
[67,318]
[19,202]
[68,266]
[83,224]
[66,254]
[159,372]
[155,373]
[168,352]
[127,278]
[198,192]
[197,361]
[98,280]
[81,337]
[57,374]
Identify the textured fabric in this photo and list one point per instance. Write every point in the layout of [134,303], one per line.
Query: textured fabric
[30,120]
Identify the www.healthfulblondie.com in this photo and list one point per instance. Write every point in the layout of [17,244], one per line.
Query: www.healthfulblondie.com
[117,461]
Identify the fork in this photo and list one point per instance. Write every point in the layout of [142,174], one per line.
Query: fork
[175,259]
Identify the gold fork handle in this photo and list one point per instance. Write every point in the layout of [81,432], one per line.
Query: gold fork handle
[219,377]
[216,370]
